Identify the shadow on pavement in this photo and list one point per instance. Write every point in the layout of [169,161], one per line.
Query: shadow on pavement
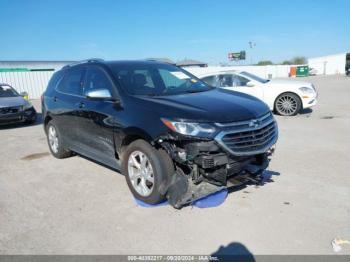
[267,178]
[306,111]
[234,251]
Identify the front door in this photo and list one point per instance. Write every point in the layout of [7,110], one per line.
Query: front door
[96,119]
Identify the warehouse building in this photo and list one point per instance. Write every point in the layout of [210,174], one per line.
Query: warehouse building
[29,76]
[330,64]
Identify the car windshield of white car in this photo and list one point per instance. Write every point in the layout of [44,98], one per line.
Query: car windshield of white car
[254,77]
[7,91]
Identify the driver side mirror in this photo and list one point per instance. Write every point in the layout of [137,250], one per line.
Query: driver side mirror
[250,84]
[99,94]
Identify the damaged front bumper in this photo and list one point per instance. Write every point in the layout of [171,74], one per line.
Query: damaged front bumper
[16,115]
[206,166]
[211,171]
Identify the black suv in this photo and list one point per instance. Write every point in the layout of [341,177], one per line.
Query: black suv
[168,132]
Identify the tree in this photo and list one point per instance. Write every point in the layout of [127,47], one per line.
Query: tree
[299,60]
[264,62]
[286,62]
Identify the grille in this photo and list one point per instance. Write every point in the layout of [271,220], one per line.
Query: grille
[10,110]
[248,137]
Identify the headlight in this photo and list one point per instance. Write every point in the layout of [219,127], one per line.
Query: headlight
[189,128]
[307,90]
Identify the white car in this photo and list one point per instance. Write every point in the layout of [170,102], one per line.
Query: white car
[285,97]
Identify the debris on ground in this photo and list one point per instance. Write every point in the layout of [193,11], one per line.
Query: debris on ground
[337,244]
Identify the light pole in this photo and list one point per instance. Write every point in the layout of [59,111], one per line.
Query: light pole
[251,45]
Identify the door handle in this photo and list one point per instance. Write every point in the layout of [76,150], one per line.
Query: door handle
[81,105]
[55,99]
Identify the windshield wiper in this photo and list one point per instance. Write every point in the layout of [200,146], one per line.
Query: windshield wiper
[195,91]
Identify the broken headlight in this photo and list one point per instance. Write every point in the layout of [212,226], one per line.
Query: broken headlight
[190,128]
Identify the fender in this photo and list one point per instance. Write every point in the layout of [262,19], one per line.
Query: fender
[128,135]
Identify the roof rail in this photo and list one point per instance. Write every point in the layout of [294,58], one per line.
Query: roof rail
[90,60]
[162,60]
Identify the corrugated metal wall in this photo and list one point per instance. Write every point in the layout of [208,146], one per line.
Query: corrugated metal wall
[33,82]
[25,79]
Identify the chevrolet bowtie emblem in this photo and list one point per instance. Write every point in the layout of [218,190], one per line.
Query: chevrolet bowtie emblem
[254,123]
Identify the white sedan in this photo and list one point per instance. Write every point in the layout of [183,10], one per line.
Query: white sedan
[285,97]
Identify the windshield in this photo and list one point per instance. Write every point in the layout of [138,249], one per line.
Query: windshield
[7,91]
[254,77]
[156,79]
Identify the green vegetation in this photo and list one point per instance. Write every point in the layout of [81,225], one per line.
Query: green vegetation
[298,60]
[264,62]
[286,62]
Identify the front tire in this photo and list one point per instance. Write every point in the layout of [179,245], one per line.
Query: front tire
[55,142]
[288,104]
[146,169]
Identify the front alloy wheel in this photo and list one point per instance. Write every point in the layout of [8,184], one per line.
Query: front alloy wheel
[141,174]
[147,171]
[288,104]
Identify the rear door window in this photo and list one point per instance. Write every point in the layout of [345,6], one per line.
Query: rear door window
[225,80]
[72,82]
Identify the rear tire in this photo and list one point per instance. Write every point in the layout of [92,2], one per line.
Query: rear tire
[288,104]
[55,142]
[146,170]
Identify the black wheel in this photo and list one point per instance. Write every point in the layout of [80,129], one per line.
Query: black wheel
[55,142]
[288,104]
[146,169]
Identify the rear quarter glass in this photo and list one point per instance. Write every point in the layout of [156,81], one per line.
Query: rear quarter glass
[56,77]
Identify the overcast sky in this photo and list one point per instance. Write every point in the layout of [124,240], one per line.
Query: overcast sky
[199,29]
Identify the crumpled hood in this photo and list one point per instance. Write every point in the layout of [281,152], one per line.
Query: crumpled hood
[12,101]
[218,105]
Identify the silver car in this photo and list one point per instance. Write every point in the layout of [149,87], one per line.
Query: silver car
[14,108]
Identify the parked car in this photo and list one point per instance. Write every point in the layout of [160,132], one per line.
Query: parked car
[168,132]
[14,108]
[285,97]
[347,69]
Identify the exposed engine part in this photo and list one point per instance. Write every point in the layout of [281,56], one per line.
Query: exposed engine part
[203,168]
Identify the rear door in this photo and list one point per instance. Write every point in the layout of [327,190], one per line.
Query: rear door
[96,119]
[65,104]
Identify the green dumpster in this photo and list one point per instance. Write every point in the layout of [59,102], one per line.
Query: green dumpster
[302,71]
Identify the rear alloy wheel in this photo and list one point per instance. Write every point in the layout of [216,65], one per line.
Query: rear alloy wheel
[55,142]
[53,139]
[288,104]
